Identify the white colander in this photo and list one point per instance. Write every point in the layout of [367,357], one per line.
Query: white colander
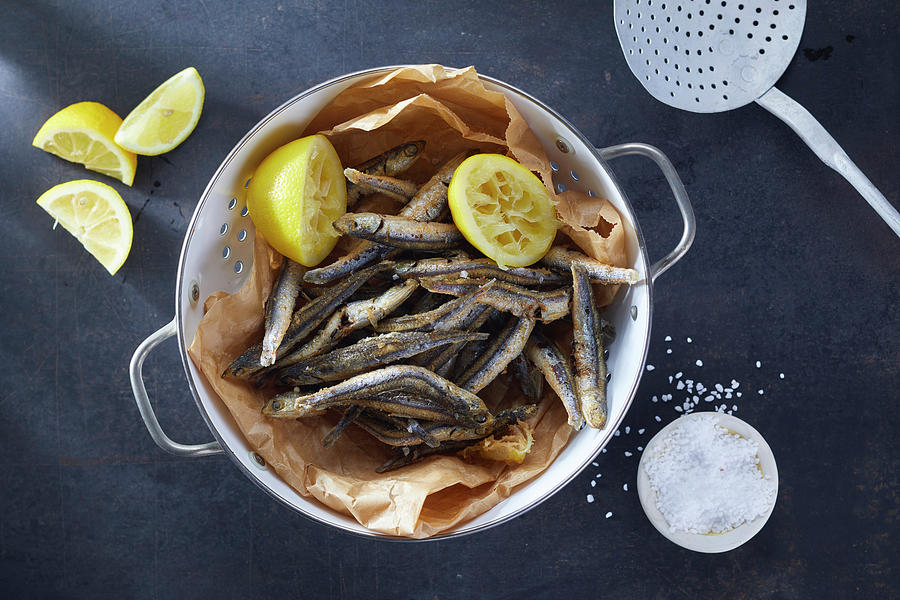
[217,255]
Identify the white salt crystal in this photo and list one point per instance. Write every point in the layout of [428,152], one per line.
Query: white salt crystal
[650,367]
[735,384]
[699,363]
[595,464]
[689,340]
[654,399]
[680,385]
[590,498]
[760,392]
[719,387]
[678,375]
[593,483]
[658,420]
[627,429]
[608,515]
[708,399]
[739,394]
[641,431]
[640,448]
[668,351]
[603,450]
[599,475]
[781,375]
[679,409]
[625,487]
[617,433]
[758,364]
[668,338]
[627,453]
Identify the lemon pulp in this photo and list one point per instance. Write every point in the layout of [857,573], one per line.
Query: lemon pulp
[502,209]
[96,215]
[84,133]
[166,117]
[295,195]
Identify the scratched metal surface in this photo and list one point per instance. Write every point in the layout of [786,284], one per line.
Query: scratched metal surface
[790,267]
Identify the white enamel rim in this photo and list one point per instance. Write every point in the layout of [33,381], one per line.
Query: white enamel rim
[217,417]
[722,542]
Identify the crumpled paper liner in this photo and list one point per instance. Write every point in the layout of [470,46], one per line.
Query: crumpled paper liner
[452,111]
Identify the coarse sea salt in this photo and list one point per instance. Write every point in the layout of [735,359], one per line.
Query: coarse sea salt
[706,479]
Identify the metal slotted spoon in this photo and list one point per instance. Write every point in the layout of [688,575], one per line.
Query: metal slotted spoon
[715,55]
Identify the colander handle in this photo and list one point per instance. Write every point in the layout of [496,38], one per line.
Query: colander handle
[681,198]
[143,401]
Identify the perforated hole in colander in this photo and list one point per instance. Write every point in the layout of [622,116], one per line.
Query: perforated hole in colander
[747,44]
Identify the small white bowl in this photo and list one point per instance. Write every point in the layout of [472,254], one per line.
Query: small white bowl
[717,542]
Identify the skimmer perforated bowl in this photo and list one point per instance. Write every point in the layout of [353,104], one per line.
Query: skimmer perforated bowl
[217,255]
[715,55]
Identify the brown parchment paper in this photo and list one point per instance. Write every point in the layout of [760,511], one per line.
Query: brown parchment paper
[452,111]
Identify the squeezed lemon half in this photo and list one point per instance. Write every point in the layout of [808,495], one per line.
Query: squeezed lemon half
[96,215]
[294,196]
[84,133]
[502,209]
[166,117]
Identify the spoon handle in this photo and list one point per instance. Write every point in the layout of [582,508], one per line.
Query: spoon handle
[827,149]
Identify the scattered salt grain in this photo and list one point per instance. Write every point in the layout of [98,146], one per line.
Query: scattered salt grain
[464,274]
[689,340]
[668,338]
[590,498]
[640,448]
[627,453]
[699,363]
[593,483]
[680,385]
[650,367]
[602,450]
[627,430]
[625,486]
[678,375]
[706,479]
[655,399]
[608,515]
[668,351]
[598,475]
[641,431]
[781,375]
[760,392]
[617,433]
[595,464]
[734,384]
[758,364]
[658,420]
[679,409]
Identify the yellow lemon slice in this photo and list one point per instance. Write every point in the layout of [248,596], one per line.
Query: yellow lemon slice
[503,209]
[84,133]
[166,117]
[96,215]
[294,196]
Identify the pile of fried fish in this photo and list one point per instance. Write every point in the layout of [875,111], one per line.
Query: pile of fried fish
[401,333]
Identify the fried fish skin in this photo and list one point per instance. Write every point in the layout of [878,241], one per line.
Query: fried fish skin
[407,456]
[279,309]
[398,189]
[307,318]
[549,359]
[427,205]
[368,353]
[418,320]
[562,259]
[507,344]
[400,232]
[590,366]
[386,385]
[530,379]
[478,268]
[349,416]
[390,163]
[523,302]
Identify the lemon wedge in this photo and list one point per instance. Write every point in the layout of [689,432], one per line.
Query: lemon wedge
[502,209]
[294,196]
[96,215]
[84,133]
[166,117]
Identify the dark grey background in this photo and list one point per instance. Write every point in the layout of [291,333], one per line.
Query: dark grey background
[790,267]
